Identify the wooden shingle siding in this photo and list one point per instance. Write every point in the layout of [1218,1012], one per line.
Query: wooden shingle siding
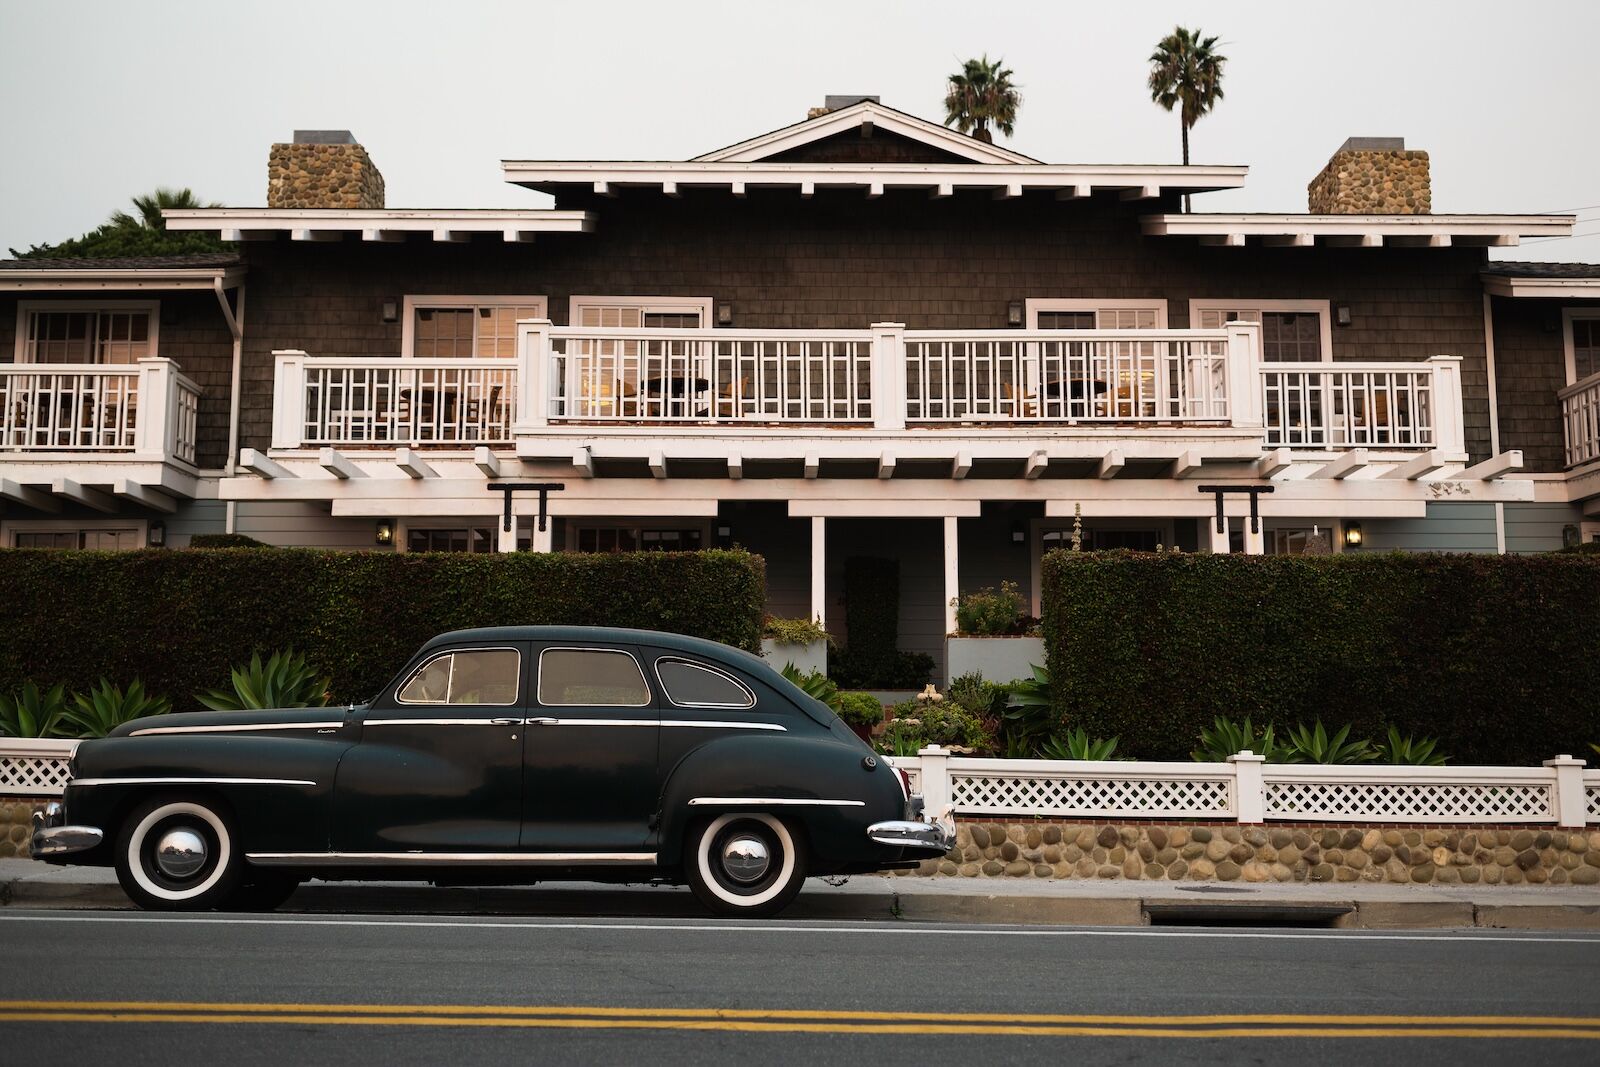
[1530,368]
[840,260]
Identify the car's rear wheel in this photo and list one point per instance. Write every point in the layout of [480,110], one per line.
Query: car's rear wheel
[745,864]
[178,854]
[262,890]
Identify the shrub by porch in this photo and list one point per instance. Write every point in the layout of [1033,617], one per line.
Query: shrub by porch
[181,620]
[1494,655]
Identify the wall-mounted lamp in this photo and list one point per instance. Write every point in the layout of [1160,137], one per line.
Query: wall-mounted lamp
[1341,314]
[158,534]
[391,311]
[1352,535]
[1019,533]
[1014,313]
[383,533]
[1570,536]
[724,314]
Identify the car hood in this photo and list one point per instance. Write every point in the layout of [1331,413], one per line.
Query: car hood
[201,722]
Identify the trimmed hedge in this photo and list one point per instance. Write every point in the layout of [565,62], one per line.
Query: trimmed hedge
[180,620]
[1494,655]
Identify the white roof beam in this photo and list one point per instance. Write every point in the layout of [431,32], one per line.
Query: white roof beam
[1141,192]
[1187,465]
[386,236]
[657,464]
[962,465]
[813,466]
[412,463]
[670,189]
[1080,191]
[82,494]
[942,190]
[1010,191]
[486,461]
[315,235]
[1344,466]
[334,462]
[257,463]
[603,189]
[874,190]
[1353,240]
[1288,240]
[18,493]
[737,188]
[445,234]
[735,466]
[1110,464]
[808,190]
[583,462]
[519,237]
[1223,240]
[1418,466]
[886,463]
[1489,469]
[1037,463]
[145,496]
[1274,463]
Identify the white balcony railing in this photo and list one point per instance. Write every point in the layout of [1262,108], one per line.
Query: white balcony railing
[146,408]
[1104,376]
[1580,420]
[383,401]
[1363,405]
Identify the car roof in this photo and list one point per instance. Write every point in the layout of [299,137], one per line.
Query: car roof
[599,635]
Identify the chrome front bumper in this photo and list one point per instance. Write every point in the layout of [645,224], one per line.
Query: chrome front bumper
[50,838]
[933,835]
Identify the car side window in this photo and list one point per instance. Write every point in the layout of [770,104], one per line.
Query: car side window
[592,677]
[475,676]
[696,685]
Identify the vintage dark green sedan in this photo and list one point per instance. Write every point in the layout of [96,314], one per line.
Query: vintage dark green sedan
[501,756]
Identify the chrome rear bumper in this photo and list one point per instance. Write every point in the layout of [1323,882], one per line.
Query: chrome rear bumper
[50,838]
[934,836]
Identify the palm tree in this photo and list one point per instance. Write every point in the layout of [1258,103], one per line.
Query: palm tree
[980,96]
[150,205]
[1186,69]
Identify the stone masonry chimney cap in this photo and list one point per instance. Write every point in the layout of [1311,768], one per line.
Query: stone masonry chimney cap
[836,102]
[324,137]
[1373,144]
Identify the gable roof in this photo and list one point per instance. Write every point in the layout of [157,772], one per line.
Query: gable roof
[1551,281]
[857,115]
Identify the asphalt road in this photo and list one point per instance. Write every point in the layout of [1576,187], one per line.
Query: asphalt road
[130,988]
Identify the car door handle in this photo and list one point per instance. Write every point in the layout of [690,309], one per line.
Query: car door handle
[542,722]
[506,722]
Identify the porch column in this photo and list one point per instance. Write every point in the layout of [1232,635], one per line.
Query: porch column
[506,539]
[543,540]
[1255,541]
[1219,539]
[952,571]
[819,570]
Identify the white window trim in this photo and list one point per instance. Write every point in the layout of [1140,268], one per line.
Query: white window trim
[1569,343]
[403,526]
[27,307]
[574,523]
[12,527]
[411,301]
[1322,308]
[704,304]
[1333,527]
[1035,305]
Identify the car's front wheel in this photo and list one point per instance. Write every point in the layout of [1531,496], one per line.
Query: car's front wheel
[178,854]
[745,865]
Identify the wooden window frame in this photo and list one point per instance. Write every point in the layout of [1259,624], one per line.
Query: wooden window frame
[1035,305]
[412,301]
[1323,309]
[1569,342]
[10,528]
[703,304]
[26,308]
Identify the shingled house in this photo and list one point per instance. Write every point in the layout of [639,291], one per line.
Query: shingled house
[858,334]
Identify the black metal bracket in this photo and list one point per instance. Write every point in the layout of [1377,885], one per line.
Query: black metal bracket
[544,489]
[1255,492]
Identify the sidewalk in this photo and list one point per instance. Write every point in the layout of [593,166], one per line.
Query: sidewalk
[25,883]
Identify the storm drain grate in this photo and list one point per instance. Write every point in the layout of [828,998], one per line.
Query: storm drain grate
[1271,915]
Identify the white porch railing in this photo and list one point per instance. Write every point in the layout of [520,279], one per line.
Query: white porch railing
[145,408]
[1246,790]
[1580,419]
[1363,405]
[32,767]
[1068,377]
[713,376]
[384,401]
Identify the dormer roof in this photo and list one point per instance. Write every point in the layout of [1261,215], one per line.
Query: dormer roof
[864,116]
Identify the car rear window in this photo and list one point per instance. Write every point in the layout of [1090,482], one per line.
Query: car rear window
[696,685]
[592,677]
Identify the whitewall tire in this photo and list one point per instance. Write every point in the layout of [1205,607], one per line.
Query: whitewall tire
[745,864]
[178,854]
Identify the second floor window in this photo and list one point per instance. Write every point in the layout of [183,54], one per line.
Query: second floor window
[84,335]
[1291,334]
[466,327]
[1585,348]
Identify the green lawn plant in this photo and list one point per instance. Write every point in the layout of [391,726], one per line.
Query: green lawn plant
[795,631]
[33,712]
[106,707]
[990,612]
[860,709]
[283,680]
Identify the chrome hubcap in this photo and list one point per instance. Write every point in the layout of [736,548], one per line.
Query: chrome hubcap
[745,858]
[180,853]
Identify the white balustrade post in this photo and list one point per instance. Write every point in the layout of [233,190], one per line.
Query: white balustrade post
[889,375]
[1571,803]
[1244,374]
[288,398]
[1449,433]
[1249,791]
[535,368]
[936,794]
[154,425]
[819,570]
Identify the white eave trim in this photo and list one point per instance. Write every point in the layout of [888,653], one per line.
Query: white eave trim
[1069,178]
[862,113]
[166,279]
[1369,231]
[244,223]
[1543,288]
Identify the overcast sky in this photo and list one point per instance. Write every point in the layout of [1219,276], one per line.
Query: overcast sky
[102,100]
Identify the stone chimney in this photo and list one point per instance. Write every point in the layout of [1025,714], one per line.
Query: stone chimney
[1372,176]
[323,169]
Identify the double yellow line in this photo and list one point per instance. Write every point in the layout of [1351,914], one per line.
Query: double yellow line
[1544,1027]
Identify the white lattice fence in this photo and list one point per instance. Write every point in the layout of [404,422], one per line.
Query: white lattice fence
[34,768]
[1591,789]
[1400,802]
[1070,788]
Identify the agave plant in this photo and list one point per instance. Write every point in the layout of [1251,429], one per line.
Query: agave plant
[1225,737]
[900,739]
[1077,744]
[816,685]
[1029,716]
[283,681]
[1315,745]
[32,712]
[1408,750]
[107,706]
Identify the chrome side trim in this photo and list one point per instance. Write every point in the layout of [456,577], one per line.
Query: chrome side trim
[788,802]
[448,859]
[442,722]
[190,781]
[713,724]
[237,728]
[701,724]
